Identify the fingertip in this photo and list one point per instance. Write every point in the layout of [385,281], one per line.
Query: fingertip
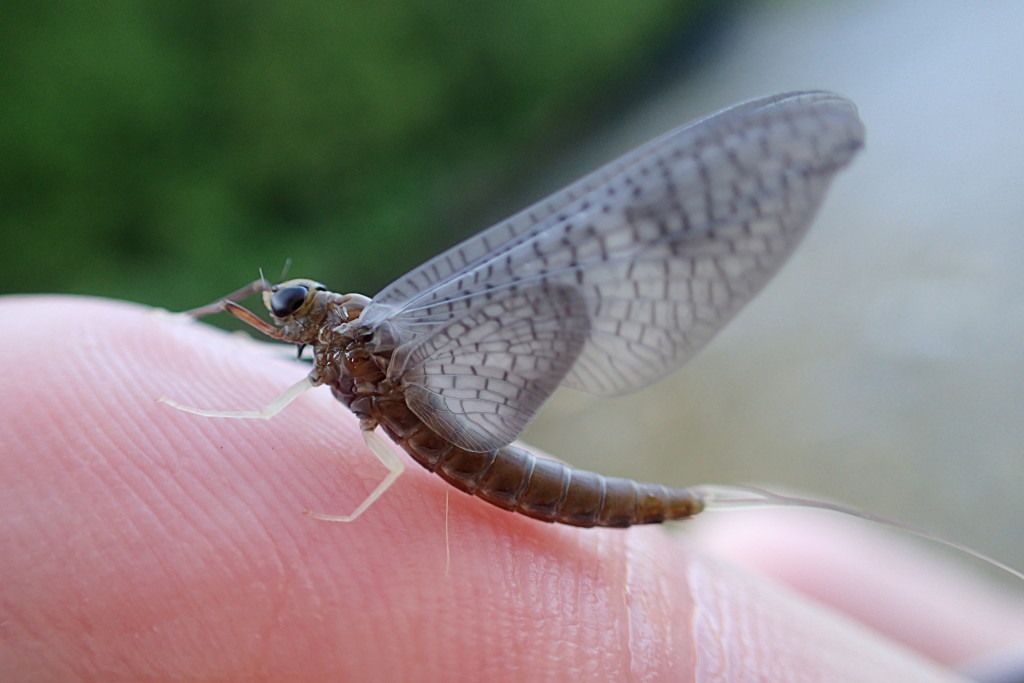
[930,602]
[748,628]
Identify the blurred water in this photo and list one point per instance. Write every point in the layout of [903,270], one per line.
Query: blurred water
[885,366]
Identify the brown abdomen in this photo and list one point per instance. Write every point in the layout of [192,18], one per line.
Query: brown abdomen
[516,480]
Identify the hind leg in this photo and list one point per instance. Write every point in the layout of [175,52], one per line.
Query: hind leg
[389,458]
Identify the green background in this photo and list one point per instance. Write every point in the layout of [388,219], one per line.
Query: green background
[164,152]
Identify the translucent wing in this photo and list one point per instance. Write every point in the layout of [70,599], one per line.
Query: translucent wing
[479,379]
[661,247]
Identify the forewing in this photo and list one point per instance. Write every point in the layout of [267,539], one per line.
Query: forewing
[659,249]
[482,376]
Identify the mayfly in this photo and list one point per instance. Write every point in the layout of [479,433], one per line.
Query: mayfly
[604,287]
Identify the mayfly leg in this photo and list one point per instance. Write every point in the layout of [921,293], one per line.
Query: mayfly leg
[265,413]
[389,459]
[229,305]
[221,304]
[377,445]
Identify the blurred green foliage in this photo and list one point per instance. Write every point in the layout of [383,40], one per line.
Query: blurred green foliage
[163,151]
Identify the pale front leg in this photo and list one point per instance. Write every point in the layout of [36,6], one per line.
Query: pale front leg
[389,458]
[265,413]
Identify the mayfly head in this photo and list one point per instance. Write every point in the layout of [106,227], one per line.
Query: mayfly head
[294,298]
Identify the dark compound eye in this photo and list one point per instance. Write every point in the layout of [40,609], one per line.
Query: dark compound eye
[286,301]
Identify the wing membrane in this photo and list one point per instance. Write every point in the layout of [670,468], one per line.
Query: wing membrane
[480,378]
[659,249]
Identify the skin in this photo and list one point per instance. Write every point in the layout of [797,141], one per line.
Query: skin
[144,543]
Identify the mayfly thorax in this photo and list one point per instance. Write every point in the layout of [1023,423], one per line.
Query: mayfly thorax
[604,287]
